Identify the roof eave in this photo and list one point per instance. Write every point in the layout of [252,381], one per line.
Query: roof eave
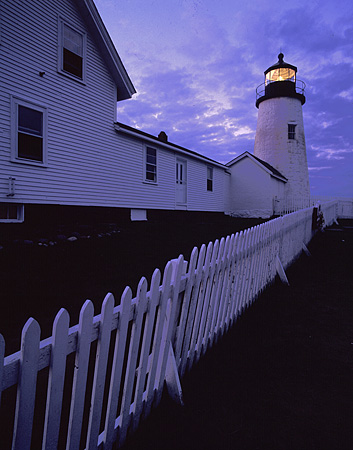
[94,22]
[266,169]
[167,145]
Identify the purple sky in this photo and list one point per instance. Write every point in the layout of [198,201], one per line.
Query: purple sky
[196,64]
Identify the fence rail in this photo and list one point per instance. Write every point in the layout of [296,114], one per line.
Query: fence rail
[145,341]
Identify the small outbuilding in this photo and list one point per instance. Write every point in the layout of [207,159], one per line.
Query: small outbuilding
[255,187]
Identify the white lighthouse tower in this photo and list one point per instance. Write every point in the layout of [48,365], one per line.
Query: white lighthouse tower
[280,139]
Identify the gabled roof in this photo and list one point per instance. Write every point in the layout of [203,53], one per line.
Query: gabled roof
[265,165]
[120,127]
[106,47]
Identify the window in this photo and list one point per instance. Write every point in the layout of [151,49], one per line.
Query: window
[11,212]
[291,131]
[72,52]
[151,165]
[28,131]
[210,178]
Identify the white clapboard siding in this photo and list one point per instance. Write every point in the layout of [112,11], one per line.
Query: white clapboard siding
[160,335]
[89,163]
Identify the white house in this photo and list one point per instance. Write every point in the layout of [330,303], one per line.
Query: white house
[63,153]
[59,141]
[255,187]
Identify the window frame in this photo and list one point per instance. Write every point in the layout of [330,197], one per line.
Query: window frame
[62,24]
[146,180]
[20,213]
[210,179]
[15,103]
[292,131]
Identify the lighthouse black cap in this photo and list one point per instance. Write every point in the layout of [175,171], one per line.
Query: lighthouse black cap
[280,81]
[281,64]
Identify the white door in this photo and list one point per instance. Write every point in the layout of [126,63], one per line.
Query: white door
[181,181]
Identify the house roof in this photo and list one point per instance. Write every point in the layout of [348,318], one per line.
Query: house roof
[163,142]
[106,47]
[265,165]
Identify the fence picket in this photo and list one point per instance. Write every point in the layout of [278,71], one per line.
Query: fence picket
[226,285]
[100,372]
[223,286]
[233,282]
[252,265]
[153,380]
[212,295]
[26,388]
[258,267]
[206,299]
[216,291]
[199,292]
[242,271]
[140,307]
[191,313]
[80,376]
[146,343]
[169,327]
[118,359]
[190,279]
[56,381]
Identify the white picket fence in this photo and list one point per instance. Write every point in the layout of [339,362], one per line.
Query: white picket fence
[156,336]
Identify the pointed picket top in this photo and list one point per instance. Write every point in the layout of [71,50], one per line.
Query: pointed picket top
[100,371]
[80,375]
[26,388]
[131,364]
[56,380]
[153,298]
[116,373]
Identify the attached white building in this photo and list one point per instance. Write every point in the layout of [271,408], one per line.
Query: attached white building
[62,151]
[255,187]
[60,81]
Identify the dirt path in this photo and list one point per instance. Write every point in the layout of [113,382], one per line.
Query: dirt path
[283,376]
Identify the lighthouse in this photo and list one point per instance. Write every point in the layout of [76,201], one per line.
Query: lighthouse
[280,139]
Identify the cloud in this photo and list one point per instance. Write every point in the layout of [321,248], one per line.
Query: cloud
[347,94]
[331,153]
[318,169]
[196,66]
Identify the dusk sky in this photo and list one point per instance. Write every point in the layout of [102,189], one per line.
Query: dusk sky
[195,65]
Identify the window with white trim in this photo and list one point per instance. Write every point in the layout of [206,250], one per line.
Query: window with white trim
[151,165]
[29,126]
[11,212]
[210,178]
[72,50]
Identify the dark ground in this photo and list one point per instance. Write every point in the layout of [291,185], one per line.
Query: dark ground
[282,378]
[36,281]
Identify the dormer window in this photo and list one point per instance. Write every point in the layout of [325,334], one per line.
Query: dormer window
[72,51]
